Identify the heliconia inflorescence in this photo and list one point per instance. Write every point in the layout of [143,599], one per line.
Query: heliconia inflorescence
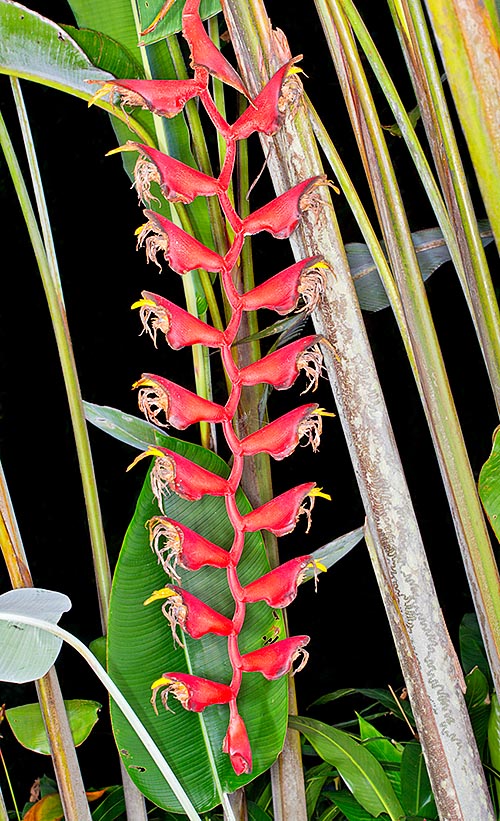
[298,287]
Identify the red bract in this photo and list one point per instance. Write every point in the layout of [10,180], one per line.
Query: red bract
[265,115]
[178,181]
[182,251]
[175,543]
[179,406]
[192,615]
[281,368]
[203,51]
[279,587]
[280,515]
[282,215]
[305,279]
[193,692]
[276,659]
[237,745]
[174,472]
[178,326]
[163,97]
[281,437]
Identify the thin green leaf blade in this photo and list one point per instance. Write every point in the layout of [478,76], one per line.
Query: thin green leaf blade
[172,23]
[377,743]
[112,807]
[28,652]
[126,428]
[351,808]
[359,768]
[472,651]
[489,485]
[140,649]
[416,793]
[26,722]
[494,739]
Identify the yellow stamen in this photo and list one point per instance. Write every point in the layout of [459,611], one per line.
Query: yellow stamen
[161,682]
[145,383]
[318,491]
[149,452]
[164,593]
[323,412]
[140,229]
[105,89]
[319,565]
[128,146]
[141,303]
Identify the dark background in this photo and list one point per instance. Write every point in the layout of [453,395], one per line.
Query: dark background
[94,214]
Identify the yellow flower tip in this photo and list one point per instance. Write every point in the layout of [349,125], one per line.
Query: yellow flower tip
[318,491]
[158,595]
[101,92]
[161,682]
[294,70]
[140,229]
[128,146]
[141,303]
[141,383]
[149,452]
[323,412]
[319,565]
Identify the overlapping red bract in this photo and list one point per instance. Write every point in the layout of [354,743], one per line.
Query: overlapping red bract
[174,544]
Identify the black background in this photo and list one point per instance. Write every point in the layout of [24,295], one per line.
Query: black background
[94,214]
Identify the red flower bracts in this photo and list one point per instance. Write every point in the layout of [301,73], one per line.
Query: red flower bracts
[298,287]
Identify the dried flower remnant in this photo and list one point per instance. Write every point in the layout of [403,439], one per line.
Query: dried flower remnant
[299,287]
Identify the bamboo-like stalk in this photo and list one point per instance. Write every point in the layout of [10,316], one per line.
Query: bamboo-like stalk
[66,767]
[417,47]
[467,36]
[477,554]
[430,666]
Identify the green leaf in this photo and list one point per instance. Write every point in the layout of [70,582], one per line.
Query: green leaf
[140,649]
[359,769]
[172,23]
[28,652]
[112,807]
[34,48]
[26,722]
[106,53]
[315,780]
[494,739]
[351,808]
[472,652]
[398,707]
[126,428]
[377,743]
[98,647]
[489,485]
[431,250]
[477,698]
[256,813]
[330,553]
[416,793]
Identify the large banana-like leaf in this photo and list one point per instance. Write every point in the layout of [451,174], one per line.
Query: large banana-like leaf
[171,24]
[141,648]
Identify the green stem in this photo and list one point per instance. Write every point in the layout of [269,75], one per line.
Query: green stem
[118,698]
[57,312]
[3,809]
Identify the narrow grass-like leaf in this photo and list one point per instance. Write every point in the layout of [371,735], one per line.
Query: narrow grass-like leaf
[140,649]
[397,707]
[330,553]
[489,485]
[27,652]
[494,739]
[416,793]
[316,779]
[26,722]
[359,768]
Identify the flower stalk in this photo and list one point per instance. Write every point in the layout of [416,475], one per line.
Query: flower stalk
[166,403]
